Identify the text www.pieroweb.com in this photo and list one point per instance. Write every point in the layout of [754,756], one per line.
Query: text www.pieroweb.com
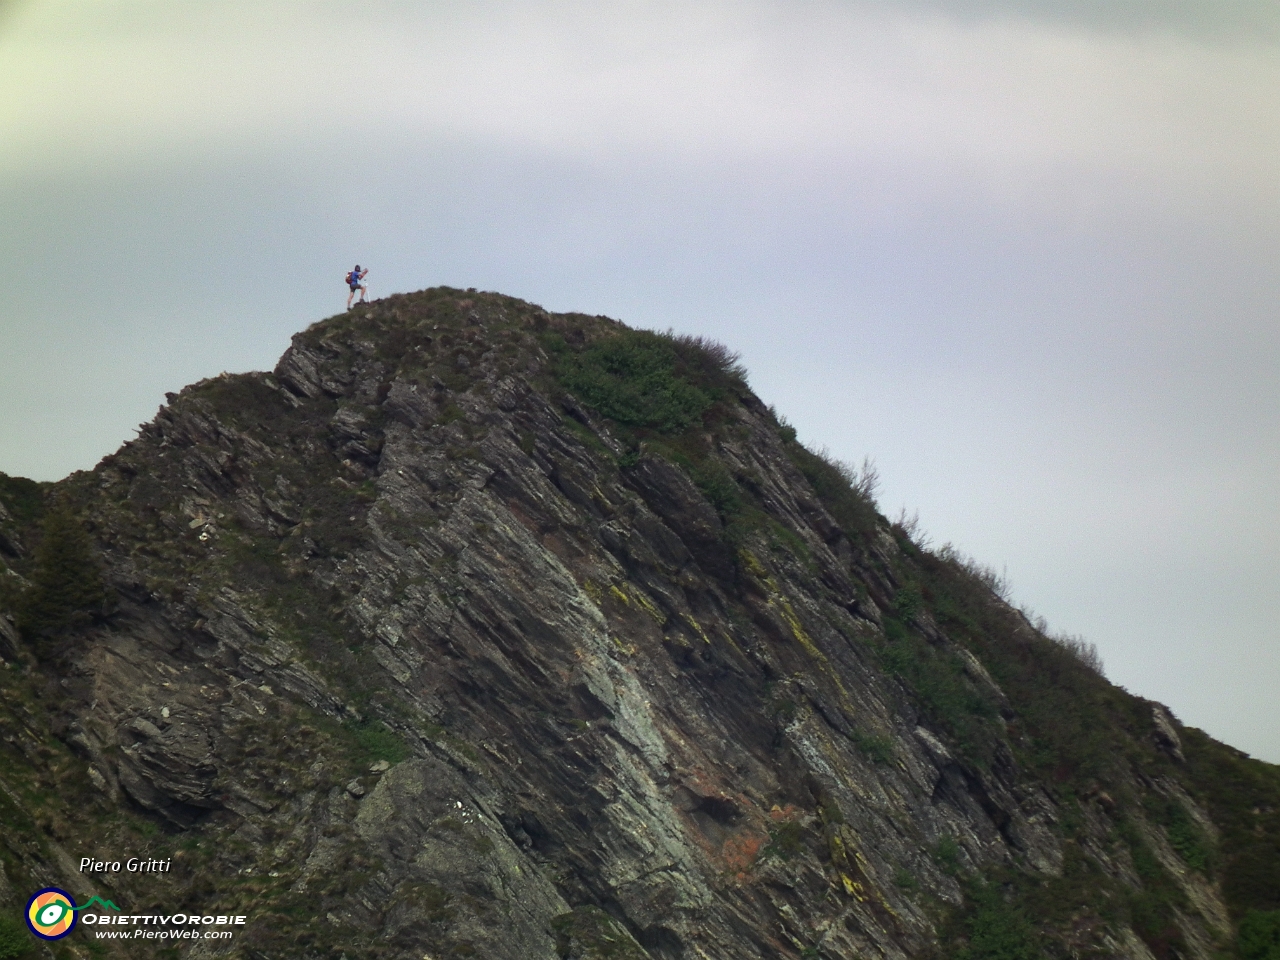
[142,933]
[155,927]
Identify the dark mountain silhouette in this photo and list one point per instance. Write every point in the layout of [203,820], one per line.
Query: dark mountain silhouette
[477,631]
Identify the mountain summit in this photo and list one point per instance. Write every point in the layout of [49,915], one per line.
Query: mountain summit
[478,631]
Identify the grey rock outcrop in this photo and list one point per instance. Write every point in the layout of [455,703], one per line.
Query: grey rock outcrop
[410,635]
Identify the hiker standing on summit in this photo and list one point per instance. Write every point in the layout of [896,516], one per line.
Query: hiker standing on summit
[355,280]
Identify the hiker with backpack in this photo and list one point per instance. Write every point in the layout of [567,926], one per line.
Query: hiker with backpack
[355,280]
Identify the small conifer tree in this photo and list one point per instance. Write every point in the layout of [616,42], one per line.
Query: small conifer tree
[66,585]
[14,941]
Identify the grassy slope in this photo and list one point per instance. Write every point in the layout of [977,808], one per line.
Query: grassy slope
[1073,730]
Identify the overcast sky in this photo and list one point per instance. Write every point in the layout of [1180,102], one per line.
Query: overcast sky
[1023,253]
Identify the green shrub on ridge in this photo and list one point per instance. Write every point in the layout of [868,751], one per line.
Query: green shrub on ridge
[1260,935]
[642,379]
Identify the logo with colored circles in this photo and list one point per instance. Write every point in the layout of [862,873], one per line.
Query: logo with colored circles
[51,913]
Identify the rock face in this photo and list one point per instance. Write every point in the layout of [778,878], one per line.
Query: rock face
[474,631]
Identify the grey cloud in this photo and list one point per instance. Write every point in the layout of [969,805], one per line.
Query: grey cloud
[8,8]
[1212,20]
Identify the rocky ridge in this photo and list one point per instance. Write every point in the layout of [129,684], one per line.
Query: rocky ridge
[472,630]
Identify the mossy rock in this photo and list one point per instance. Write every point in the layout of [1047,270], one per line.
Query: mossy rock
[588,933]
